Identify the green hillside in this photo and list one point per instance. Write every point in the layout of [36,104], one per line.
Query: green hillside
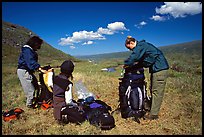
[15,36]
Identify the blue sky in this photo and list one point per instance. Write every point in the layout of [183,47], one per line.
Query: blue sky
[87,28]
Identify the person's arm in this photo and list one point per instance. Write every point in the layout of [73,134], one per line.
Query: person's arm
[68,95]
[135,57]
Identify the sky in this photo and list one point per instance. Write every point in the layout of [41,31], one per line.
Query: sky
[88,28]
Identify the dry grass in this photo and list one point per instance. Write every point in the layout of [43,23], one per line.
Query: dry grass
[181,111]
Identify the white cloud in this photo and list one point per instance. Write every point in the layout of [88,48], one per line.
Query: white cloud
[105,31]
[158,18]
[141,24]
[88,43]
[80,37]
[180,9]
[116,26]
[66,41]
[87,37]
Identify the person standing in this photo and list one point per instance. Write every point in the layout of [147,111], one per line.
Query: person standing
[146,55]
[27,65]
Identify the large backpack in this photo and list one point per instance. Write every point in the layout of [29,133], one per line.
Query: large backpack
[133,98]
[97,113]
[43,96]
[72,114]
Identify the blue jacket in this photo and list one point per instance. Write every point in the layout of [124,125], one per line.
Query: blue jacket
[28,59]
[148,56]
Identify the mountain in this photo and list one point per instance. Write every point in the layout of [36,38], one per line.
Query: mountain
[114,55]
[15,36]
[192,47]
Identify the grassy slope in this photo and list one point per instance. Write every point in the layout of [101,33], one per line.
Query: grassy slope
[12,37]
[181,111]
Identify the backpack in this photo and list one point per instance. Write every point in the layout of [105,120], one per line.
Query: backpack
[72,114]
[133,99]
[12,114]
[97,113]
[43,96]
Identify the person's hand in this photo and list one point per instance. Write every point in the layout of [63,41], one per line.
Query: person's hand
[42,70]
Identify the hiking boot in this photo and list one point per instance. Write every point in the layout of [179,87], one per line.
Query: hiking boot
[151,117]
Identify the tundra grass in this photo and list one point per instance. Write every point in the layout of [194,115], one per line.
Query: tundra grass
[180,114]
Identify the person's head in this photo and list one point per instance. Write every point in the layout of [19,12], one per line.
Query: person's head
[35,42]
[67,67]
[130,42]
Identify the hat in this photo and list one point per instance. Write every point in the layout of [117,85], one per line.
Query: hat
[67,67]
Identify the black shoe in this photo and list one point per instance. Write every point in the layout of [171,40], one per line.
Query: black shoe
[151,117]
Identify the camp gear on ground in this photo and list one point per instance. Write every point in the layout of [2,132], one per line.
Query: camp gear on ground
[133,97]
[97,113]
[12,114]
[81,91]
[71,114]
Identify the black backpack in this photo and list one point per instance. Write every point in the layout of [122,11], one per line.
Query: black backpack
[133,99]
[97,113]
[72,114]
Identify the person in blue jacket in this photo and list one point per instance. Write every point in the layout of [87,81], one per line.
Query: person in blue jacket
[146,55]
[27,65]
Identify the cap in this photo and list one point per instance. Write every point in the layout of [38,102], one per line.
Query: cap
[67,67]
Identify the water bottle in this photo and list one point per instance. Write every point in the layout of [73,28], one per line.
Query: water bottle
[82,91]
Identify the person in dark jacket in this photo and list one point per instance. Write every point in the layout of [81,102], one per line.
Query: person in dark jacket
[146,55]
[62,89]
[27,65]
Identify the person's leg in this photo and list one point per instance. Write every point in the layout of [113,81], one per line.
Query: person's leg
[26,82]
[158,82]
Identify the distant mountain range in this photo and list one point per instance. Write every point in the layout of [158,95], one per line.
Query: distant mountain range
[187,47]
